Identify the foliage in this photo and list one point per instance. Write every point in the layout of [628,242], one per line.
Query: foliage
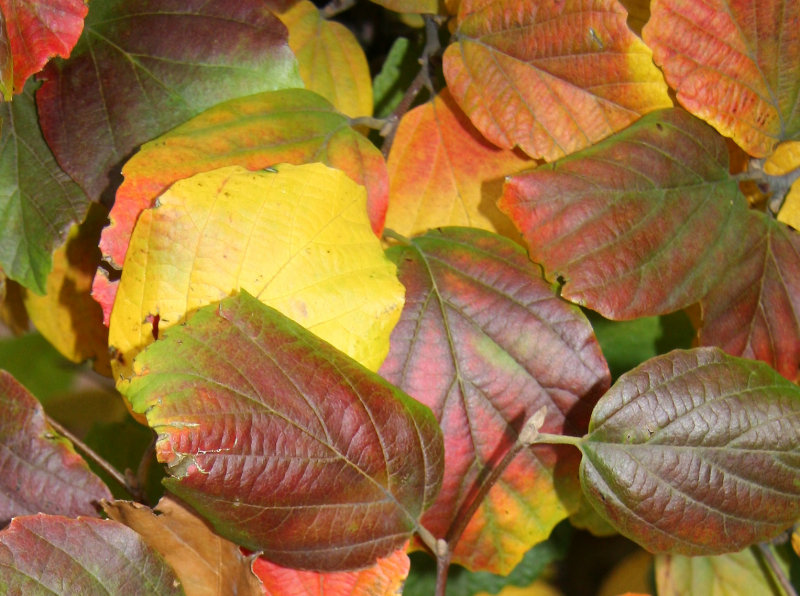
[368,299]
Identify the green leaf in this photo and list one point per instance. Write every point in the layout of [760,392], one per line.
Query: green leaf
[397,72]
[49,554]
[697,453]
[283,443]
[38,201]
[142,67]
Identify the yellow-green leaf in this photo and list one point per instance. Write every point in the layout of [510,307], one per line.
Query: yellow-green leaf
[296,237]
[330,59]
[786,158]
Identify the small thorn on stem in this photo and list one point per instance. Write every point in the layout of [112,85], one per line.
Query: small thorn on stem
[530,430]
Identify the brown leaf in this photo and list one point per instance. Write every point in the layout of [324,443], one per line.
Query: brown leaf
[205,563]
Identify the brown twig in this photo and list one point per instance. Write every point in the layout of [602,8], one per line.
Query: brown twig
[777,571]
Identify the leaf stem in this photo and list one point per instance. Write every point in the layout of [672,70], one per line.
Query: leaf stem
[777,570]
[130,485]
[334,7]
[557,439]
[777,185]
[390,233]
[370,122]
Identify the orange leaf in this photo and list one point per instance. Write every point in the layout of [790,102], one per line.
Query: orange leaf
[734,63]
[536,74]
[385,577]
[330,59]
[442,172]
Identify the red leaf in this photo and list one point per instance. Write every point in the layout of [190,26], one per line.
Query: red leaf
[48,554]
[143,66]
[485,342]
[754,309]
[283,443]
[639,224]
[386,576]
[39,470]
[37,31]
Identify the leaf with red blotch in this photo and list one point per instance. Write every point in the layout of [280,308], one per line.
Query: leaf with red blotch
[283,443]
[56,555]
[696,452]
[640,224]
[39,469]
[142,67]
[536,74]
[754,308]
[386,576]
[734,63]
[484,342]
[288,126]
[442,172]
[36,31]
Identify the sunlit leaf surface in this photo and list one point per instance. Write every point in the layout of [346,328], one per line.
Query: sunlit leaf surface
[734,63]
[697,453]
[48,554]
[34,32]
[142,67]
[443,173]
[38,201]
[297,237]
[330,60]
[485,342]
[289,126]
[384,577]
[536,74]
[39,469]
[640,224]
[283,443]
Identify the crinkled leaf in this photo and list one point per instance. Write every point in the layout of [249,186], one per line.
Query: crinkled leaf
[47,554]
[330,59]
[206,564]
[39,470]
[384,577]
[485,343]
[142,67]
[67,315]
[734,63]
[696,453]
[296,237]
[442,172]
[536,74]
[732,574]
[283,443]
[288,126]
[36,31]
[38,201]
[640,224]
[753,310]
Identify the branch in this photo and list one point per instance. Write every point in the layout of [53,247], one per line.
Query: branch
[777,185]
[777,570]
[129,484]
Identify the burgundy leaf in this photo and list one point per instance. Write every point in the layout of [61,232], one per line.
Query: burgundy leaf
[484,342]
[39,470]
[696,452]
[283,443]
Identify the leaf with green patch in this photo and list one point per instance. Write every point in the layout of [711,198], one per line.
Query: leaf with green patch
[696,453]
[48,554]
[142,67]
[733,63]
[485,343]
[38,201]
[39,469]
[283,443]
[640,224]
[536,74]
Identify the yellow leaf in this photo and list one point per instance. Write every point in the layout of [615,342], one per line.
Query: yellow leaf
[786,158]
[66,315]
[296,237]
[330,59]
